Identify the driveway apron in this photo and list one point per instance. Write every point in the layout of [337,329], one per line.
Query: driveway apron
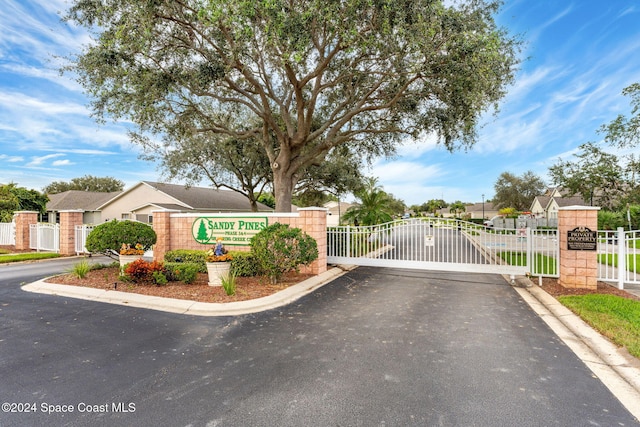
[382,347]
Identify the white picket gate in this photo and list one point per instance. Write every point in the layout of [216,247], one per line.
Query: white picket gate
[44,237]
[7,233]
[81,233]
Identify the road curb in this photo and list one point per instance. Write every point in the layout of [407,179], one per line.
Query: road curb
[193,308]
[618,370]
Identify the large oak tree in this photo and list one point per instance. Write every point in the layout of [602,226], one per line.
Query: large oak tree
[310,74]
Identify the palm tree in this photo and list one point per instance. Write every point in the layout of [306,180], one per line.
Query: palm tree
[457,207]
[374,207]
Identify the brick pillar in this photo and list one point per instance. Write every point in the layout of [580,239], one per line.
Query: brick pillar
[68,221]
[314,223]
[23,220]
[578,268]
[162,227]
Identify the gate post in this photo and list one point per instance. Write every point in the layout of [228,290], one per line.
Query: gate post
[622,257]
[23,221]
[68,221]
[162,227]
[578,260]
[314,222]
[530,261]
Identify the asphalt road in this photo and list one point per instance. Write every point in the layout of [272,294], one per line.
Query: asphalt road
[378,347]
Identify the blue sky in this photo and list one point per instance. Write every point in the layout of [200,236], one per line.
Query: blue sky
[577,58]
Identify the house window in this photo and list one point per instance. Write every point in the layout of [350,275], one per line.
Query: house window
[125,216]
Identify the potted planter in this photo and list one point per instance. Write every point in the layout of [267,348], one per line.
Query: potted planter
[129,254]
[126,259]
[216,271]
[218,263]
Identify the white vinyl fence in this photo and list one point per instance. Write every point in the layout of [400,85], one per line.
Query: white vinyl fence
[619,256]
[82,231]
[44,237]
[7,233]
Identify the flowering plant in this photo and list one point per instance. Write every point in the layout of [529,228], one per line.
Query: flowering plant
[126,249]
[218,253]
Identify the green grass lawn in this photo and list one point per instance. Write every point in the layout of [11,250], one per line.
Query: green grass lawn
[615,317]
[27,257]
[543,264]
[633,261]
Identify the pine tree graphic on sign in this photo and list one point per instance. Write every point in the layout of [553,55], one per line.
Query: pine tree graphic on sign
[203,236]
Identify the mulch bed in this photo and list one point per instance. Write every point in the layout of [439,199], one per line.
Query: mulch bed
[551,286]
[247,287]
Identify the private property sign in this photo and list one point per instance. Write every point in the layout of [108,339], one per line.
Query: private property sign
[582,239]
[233,230]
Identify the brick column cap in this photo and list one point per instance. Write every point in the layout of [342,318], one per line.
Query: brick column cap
[22,212]
[313,208]
[579,208]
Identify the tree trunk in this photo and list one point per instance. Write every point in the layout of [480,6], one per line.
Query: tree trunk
[283,189]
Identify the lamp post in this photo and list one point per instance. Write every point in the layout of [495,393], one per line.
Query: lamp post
[483,207]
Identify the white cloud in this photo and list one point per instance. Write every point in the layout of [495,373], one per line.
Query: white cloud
[11,159]
[39,160]
[65,162]
[23,103]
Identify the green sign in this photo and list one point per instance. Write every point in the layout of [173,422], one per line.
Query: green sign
[233,230]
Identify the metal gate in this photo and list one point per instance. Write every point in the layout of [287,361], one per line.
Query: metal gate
[445,244]
[619,256]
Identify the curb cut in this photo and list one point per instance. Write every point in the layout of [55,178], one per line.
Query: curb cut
[193,308]
[618,370]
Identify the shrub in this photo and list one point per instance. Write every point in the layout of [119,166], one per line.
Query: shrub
[608,220]
[181,271]
[279,249]
[110,236]
[244,264]
[159,278]
[142,271]
[191,256]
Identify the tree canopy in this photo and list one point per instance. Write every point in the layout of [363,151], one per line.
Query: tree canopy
[518,192]
[601,178]
[304,76]
[85,183]
[625,131]
[14,198]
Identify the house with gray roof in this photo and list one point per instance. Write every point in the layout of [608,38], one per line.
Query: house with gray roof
[547,204]
[87,201]
[138,202]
